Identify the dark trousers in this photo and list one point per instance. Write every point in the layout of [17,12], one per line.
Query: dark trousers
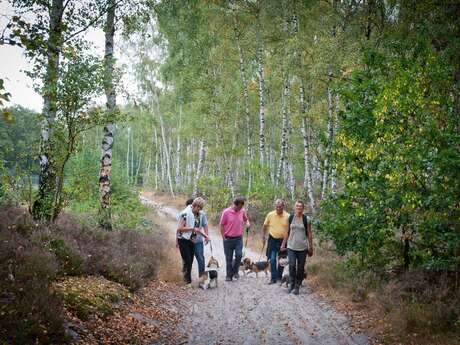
[273,249]
[233,245]
[187,250]
[297,260]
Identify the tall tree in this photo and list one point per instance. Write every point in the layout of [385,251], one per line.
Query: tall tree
[107,141]
[42,208]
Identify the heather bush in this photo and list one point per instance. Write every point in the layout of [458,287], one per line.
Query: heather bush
[33,256]
[29,311]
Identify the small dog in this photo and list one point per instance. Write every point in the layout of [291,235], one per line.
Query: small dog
[282,259]
[209,278]
[285,279]
[245,264]
[260,266]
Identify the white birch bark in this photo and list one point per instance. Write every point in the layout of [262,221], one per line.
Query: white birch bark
[107,141]
[178,148]
[336,128]
[308,183]
[165,147]
[127,156]
[42,208]
[261,77]
[284,131]
[243,81]
[329,140]
[199,170]
[157,154]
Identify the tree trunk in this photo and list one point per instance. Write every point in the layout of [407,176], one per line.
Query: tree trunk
[178,150]
[165,146]
[284,131]
[308,183]
[260,72]
[244,82]
[157,154]
[330,138]
[42,208]
[105,219]
[336,128]
[127,156]
[199,170]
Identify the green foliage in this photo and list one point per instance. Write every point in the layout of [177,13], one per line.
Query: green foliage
[397,151]
[18,151]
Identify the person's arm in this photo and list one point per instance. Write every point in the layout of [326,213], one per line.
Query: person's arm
[223,220]
[182,226]
[264,232]
[205,228]
[286,235]
[310,240]
[222,231]
[265,228]
[248,223]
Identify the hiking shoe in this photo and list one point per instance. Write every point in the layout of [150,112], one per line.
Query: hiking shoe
[296,290]
[272,282]
[290,288]
[228,279]
[236,276]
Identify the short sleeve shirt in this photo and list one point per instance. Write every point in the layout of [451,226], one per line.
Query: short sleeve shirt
[277,224]
[233,221]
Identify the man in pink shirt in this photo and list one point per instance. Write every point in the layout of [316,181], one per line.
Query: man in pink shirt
[232,224]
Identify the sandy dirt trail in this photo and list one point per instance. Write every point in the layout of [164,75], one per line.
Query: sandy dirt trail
[249,311]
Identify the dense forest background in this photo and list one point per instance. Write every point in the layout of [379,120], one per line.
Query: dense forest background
[352,106]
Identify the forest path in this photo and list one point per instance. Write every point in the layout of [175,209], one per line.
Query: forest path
[249,311]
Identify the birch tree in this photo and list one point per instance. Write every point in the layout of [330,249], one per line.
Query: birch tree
[107,141]
[42,208]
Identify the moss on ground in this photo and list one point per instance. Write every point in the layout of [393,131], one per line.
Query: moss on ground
[91,296]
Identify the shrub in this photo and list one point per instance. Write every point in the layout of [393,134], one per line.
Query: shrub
[29,310]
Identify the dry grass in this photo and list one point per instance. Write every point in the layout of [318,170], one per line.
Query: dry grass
[417,308]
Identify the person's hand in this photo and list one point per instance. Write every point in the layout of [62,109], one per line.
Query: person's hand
[264,238]
[310,251]
[206,241]
[283,248]
[177,244]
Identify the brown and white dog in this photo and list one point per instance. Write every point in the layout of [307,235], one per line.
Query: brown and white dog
[245,264]
[209,278]
[256,267]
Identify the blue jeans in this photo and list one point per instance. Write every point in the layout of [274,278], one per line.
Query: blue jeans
[233,245]
[273,249]
[199,256]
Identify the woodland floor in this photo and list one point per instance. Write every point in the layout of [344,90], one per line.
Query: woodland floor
[249,311]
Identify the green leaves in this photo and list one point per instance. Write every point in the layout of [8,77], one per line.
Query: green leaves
[395,150]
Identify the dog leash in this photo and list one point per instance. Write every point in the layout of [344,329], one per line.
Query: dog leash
[210,246]
[246,242]
[262,252]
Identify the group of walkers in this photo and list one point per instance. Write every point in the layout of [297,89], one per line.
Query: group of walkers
[286,233]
